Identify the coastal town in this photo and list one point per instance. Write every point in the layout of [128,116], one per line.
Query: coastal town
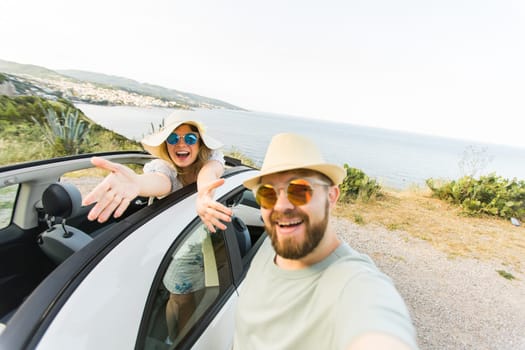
[96,94]
[78,91]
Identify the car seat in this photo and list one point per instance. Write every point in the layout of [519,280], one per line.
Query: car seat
[61,201]
[243,235]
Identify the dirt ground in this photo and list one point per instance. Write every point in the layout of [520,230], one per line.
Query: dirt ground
[444,226]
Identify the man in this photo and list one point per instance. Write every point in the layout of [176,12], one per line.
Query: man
[306,289]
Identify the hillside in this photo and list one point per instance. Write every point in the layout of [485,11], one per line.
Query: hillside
[89,87]
[27,134]
[28,69]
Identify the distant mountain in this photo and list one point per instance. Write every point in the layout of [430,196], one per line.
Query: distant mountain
[28,69]
[115,82]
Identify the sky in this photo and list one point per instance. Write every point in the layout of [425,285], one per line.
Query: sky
[442,67]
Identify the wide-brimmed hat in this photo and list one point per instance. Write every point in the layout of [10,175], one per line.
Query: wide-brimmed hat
[155,142]
[290,152]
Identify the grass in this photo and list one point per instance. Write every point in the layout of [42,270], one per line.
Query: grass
[12,152]
[442,225]
[506,274]
[236,153]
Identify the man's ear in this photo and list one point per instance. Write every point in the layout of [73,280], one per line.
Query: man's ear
[333,195]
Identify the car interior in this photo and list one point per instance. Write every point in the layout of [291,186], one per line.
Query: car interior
[46,223]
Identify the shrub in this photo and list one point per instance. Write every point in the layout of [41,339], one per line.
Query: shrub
[490,194]
[358,219]
[357,185]
[67,133]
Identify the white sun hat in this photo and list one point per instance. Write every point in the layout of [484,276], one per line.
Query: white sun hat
[291,152]
[155,142]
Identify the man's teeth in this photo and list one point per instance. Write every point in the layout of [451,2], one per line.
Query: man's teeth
[291,223]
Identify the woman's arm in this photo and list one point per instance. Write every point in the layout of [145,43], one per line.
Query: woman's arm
[120,187]
[210,211]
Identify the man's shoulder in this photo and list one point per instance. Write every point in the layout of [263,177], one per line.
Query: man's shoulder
[346,257]
[348,265]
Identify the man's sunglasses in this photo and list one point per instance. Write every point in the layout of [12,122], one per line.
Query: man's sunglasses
[298,191]
[190,138]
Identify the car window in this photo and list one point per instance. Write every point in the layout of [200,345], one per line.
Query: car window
[196,274]
[7,203]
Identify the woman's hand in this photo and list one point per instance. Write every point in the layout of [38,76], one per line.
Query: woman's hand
[114,193]
[210,211]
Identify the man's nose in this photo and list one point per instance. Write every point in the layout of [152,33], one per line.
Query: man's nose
[282,202]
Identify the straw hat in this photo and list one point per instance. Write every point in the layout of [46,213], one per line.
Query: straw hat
[289,152]
[155,143]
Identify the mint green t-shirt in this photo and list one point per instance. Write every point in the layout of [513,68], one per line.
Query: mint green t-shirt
[324,306]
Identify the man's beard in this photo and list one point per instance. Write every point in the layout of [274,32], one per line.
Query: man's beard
[289,247]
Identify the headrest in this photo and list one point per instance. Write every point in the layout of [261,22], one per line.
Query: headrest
[61,199]
[243,235]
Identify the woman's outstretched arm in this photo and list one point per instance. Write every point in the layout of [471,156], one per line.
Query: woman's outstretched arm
[114,194]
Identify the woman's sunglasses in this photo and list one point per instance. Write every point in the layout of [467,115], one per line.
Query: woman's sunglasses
[298,191]
[190,138]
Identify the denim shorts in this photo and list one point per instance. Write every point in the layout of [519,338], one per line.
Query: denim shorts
[185,274]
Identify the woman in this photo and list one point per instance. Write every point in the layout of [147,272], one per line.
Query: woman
[186,154]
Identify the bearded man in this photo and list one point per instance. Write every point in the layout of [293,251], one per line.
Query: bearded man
[307,289]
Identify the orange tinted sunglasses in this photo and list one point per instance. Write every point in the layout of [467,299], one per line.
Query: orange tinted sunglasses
[298,191]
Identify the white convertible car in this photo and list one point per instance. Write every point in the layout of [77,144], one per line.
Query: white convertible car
[68,283]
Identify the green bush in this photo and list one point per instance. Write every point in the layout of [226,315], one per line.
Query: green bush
[357,185]
[490,194]
[20,109]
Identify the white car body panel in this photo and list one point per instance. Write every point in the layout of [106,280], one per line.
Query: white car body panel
[219,334]
[84,321]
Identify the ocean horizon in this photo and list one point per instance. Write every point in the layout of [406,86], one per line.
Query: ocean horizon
[396,159]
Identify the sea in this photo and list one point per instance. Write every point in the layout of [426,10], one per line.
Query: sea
[396,159]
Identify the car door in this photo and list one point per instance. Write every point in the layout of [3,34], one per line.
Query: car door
[224,257]
[192,294]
